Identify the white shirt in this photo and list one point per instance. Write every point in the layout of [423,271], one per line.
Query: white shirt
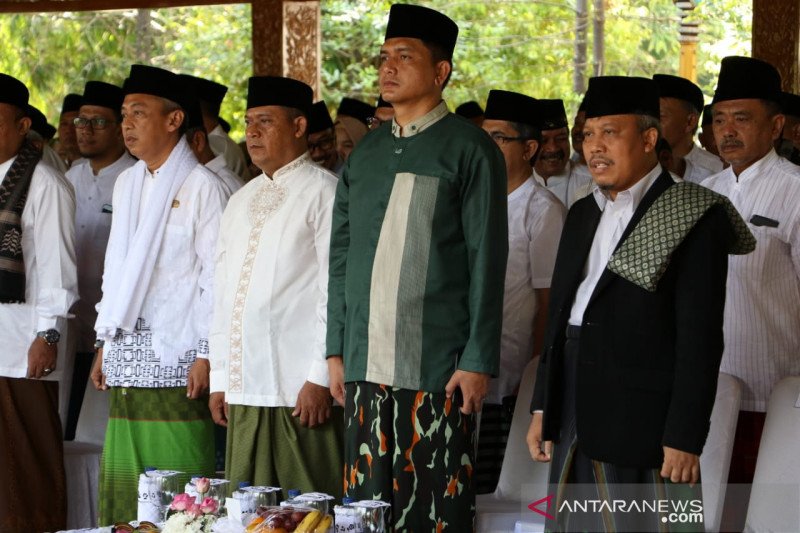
[268,332]
[93,194]
[569,186]
[230,181]
[222,144]
[615,218]
[535,221]
[52,158]
[762,306]
[178,304]
[51,285]
[700,164]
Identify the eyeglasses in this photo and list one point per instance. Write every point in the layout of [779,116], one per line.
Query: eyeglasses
[324,144]
[98,123]
[499,138]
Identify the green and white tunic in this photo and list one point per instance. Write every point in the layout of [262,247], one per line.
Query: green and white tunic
[418,254]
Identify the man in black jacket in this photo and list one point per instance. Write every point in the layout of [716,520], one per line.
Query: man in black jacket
[629,370]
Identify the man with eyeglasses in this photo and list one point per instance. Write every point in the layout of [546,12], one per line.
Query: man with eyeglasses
[100,143]
[553,167]
[535,220]
[322,139]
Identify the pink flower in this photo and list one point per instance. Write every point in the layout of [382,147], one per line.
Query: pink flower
[209,506]
[181,502]
[202,485]
[193,510]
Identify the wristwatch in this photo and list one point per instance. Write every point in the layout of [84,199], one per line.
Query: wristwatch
[51,336]
[99,343]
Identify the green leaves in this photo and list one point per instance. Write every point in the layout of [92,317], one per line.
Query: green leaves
[524,46]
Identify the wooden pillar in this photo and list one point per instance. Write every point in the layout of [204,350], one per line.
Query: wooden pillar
[776,38]
[286,40]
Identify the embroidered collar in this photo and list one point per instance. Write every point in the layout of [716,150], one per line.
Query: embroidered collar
[288,168]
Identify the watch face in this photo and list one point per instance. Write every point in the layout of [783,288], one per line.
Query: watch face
[50,336]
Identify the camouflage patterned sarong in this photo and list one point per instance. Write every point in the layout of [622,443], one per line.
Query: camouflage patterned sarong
[414,450]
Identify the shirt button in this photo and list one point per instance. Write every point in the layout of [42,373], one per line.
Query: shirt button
[90,198]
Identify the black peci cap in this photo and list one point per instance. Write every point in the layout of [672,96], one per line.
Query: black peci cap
[745,78]
[276,90]
[512,107]
[144,79]
[469,109]
[319,119]
[418,22]
[552,115]
[13,92]
[621,95]
[680,88]
[103,94]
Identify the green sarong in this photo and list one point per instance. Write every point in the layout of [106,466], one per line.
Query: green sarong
[161,428]
[269,446]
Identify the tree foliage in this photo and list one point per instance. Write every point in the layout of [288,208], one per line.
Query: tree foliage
[524,46]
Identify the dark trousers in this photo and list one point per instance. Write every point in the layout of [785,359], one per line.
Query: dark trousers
[80,377]
[576,477]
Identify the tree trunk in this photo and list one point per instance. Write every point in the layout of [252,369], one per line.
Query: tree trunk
[599,24]
[579,62]
[144,36]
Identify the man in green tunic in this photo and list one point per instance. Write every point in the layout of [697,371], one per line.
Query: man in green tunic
[418,255]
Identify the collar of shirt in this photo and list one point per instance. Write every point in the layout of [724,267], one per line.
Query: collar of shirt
[628,199]
[5,166]
[557,178]
[111,170]
[522,189]
[422,123]
[216,164]
[760,167]
[218,131]
[281,173]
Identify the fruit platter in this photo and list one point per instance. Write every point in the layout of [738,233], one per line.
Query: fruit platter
[289,519]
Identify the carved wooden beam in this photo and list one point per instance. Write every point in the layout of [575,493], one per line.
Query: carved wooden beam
[776,38]
[44,6]
[286,40]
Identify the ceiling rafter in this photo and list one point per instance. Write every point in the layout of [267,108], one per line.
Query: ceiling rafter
[42,6]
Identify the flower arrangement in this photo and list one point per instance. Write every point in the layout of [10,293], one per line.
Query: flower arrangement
[188,516]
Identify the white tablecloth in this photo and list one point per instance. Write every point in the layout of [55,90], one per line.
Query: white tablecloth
[82,467]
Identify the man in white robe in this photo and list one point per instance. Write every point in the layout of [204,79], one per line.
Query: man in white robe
[153,320]
[103,158]
[568,180]
[269,376]
[37,287]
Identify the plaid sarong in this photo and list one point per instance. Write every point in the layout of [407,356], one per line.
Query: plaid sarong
[161,428]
